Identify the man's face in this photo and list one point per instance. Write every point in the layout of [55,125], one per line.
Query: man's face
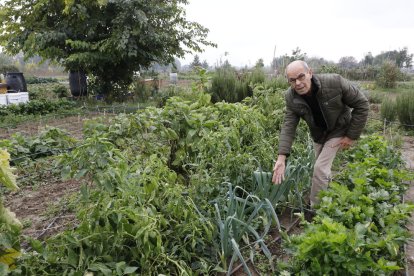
[299,79]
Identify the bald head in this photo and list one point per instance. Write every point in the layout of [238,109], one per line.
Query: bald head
[297,65]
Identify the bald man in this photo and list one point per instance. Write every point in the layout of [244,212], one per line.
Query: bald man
[335,112]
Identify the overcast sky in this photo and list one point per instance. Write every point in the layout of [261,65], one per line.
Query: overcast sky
[251,29]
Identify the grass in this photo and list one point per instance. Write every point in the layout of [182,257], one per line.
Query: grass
[402,86]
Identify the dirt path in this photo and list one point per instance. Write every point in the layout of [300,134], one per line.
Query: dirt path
[408,156]
[43,209]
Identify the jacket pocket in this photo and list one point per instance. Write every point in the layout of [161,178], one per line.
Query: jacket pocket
[334,103]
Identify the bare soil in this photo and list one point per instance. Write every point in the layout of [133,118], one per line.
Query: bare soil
[42,209]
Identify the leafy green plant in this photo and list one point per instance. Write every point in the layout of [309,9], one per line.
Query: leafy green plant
[49,142]
[9,225]
[37,107]
[61,91]
[359,227]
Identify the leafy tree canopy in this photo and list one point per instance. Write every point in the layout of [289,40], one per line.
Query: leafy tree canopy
[109,39]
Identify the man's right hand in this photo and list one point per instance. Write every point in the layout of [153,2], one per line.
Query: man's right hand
[279,170]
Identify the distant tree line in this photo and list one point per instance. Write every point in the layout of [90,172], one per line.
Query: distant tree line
[369,68]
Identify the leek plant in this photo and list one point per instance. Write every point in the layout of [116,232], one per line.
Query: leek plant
[236,223]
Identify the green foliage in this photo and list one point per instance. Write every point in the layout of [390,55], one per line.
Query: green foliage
[231,86]
[388,75]
[139,228]
[52,141]
[223,85]
[276,83]
[37,80]
[6,64]
[10,226]
[237,222]
[61,91]
[107,39]
[359,227]
[36,107]
[388,110]
[375,97]
[405,109]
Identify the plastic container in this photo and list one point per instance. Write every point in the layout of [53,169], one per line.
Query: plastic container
[16,98]
[3,99]
[16,82]
[174,78]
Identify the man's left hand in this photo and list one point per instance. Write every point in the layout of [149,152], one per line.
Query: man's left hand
[344,143]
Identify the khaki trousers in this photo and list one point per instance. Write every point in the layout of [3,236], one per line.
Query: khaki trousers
[325,154]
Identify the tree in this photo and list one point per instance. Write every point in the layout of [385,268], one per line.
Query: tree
[348,62]
[368,59]
[279,63]
[107,39]
[196,62]
[259,63]
[205,64]
[401,58]
[297,55]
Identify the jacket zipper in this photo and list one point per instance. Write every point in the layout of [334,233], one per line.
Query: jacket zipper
[323,114]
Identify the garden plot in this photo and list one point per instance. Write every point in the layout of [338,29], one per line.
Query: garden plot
[176,190]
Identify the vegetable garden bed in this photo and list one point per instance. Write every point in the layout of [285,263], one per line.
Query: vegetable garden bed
[183,190]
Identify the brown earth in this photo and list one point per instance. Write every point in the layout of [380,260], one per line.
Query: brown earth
[43,209]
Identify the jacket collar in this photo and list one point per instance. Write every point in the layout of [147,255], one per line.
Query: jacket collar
[316,81]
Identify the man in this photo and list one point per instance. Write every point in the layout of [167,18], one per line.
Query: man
[335,112]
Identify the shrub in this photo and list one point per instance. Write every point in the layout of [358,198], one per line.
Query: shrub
[257,76]
[388,110]
[37,107]
[223,85]
[47,91]
[60,90]
[388,75]
[405,108]
[37,80]
[277,83]
[233,87]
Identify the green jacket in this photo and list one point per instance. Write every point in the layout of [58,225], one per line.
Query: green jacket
[343,106]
